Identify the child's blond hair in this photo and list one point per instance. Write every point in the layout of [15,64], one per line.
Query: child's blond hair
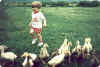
[36,4]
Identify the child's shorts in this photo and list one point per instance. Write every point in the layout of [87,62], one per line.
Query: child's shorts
[37,30]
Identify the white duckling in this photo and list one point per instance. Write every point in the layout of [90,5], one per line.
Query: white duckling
[3,46]
[66,49]
[78,47]
[56,60]
[74,49]
[87,45]
[88,40]
[28,60]
[67,52]
[7,55]
[69,45]
[44,53]
[61,49]
[55,52]
[33,56]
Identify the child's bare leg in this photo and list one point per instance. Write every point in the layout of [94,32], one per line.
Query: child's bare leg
[40,38]
[32,34]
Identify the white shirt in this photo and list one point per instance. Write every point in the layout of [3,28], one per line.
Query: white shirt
[39,17]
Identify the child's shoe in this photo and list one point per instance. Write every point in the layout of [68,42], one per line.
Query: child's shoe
[34,41]
[40,44]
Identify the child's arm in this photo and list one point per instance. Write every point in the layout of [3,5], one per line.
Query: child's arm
[30,24]
[44,23]
[43,19]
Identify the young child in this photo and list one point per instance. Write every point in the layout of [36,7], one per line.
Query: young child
[36,22]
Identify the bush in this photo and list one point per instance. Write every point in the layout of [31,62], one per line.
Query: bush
[62,3]
[88,3]
[54,4]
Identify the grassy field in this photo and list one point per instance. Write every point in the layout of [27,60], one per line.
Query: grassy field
[74,23]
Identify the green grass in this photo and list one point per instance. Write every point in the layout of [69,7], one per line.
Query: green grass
[74,23]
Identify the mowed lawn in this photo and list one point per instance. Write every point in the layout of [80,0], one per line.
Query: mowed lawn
[62,22]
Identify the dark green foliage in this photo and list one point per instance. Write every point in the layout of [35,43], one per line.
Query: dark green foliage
[58,3]
[88,3]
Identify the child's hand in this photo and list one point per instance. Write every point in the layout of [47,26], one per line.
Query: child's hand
[30,25]
[45,25]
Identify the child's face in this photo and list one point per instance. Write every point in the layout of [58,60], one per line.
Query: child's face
[35,9]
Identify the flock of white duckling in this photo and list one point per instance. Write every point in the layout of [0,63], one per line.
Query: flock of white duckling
[57,56]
